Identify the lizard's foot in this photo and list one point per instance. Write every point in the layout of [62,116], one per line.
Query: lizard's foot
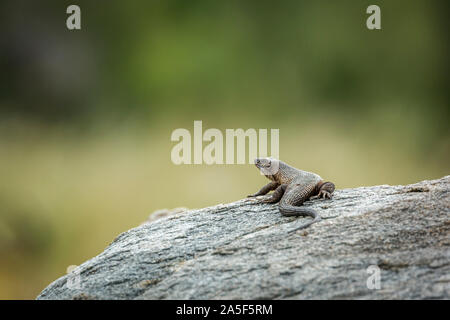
[256,200]
[262,199]
[268,200]
[324,194]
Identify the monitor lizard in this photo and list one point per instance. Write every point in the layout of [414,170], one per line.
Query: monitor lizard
[292,187]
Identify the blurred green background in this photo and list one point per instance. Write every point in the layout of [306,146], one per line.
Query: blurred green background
[86,116]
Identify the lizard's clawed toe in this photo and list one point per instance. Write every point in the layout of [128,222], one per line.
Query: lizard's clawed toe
[324,195]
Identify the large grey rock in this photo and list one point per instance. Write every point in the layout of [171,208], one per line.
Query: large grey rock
[244,250]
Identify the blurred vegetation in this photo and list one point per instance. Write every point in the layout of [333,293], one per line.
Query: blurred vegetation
[86,116]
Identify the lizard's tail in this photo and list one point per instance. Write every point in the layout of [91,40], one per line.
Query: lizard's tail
[293,211]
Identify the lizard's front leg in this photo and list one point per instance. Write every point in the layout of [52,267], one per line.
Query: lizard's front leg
[264,190]
[326,190]
[276,195]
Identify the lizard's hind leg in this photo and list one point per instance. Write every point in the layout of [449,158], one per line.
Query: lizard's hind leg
[326,190]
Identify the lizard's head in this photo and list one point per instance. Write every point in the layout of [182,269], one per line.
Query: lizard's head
[267,166]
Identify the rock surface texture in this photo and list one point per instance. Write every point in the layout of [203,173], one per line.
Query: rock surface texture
[243,250]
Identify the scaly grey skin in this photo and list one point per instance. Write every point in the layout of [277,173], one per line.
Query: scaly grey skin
[292,187]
